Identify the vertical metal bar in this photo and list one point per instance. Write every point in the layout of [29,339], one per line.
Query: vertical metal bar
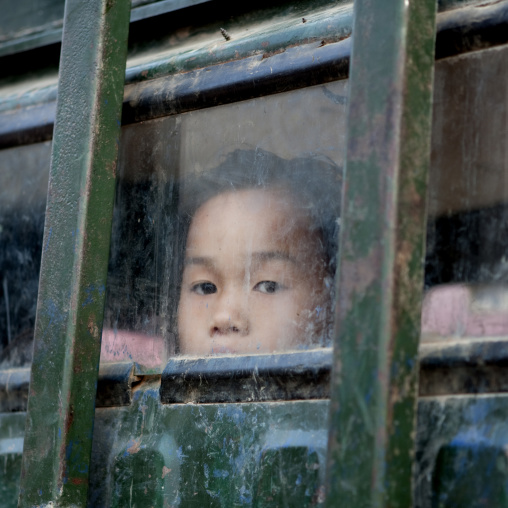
[374,384]
[77,233]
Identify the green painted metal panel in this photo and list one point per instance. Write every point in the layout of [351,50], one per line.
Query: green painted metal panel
[75,252]
[381,260]
[269,454]
[460,452]
[461,455]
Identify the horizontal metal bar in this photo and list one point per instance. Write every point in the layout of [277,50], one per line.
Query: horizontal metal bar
[29,125]
[296,67]
[464,352]
[464,366]
[31,41]
[480,379]
[266,38]
[50,34]
[161,7]
[331,25]
[454,12]
[114,387]
[457,366]
[289,376]
[472,28]
[29,118]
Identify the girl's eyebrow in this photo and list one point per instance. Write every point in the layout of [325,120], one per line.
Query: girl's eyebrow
[258,257]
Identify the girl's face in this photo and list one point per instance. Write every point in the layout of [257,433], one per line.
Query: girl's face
[254,276]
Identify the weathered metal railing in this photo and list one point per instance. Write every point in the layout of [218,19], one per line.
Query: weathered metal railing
[77,233]
[381,255]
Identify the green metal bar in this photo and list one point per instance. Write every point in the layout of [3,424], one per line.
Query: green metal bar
[374,386]
[77,233]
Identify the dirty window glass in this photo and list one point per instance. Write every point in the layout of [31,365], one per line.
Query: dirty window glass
[225,229]
[467,251]
[24,173]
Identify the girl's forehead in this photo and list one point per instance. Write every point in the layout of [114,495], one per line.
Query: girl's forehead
[275,200]
[251,213]
[251,220]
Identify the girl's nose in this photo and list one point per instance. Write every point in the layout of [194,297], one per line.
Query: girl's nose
[230,315]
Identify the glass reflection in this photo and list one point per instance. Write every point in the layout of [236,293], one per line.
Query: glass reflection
[24,173]
[467,241]
[225,229]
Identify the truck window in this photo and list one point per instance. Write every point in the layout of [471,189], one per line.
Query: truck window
[263,191]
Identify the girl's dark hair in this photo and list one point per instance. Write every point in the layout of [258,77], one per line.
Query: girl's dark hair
[315,183]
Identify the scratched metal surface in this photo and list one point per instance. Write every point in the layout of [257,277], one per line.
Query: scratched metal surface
[217,455]
[461,457]
[136,459]
[271,454]
[75,250]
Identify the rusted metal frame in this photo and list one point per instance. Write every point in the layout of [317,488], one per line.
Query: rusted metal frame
[76,247]
[114,386]
[467,365]
[286,376]
[30,119]
[242,79]
[374,384]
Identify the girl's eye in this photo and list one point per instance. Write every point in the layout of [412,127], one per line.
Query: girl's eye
[204,288]
[268,287]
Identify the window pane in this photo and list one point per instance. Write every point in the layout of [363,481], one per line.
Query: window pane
[467,253]
[225,229]
[24,173]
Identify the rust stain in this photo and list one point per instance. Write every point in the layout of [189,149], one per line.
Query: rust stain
[112,168]
[69,419]
[487,4]
[92,327]
[356,276]
[402,267]
[134,448]
[78,481]
[272,53]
